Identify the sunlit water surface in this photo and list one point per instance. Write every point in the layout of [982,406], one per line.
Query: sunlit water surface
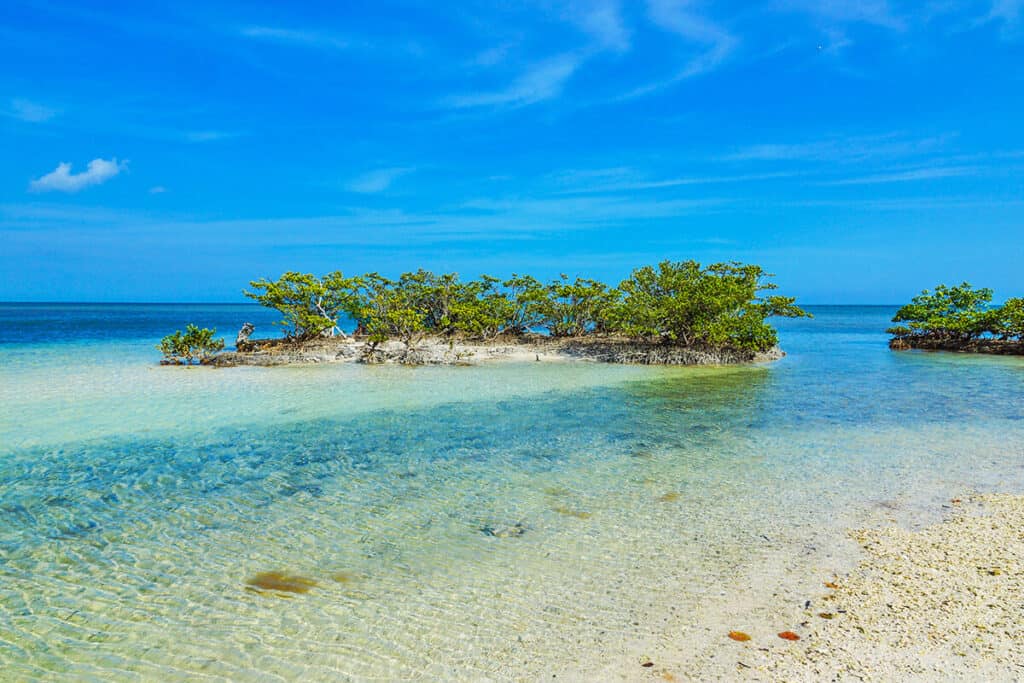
[501,521]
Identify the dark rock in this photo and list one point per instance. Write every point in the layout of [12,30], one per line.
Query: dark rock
[1003,347]
[504,530]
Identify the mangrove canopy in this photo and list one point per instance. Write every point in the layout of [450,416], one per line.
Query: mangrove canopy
[957,316]
[720,306]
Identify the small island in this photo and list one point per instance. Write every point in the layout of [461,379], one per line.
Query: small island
[959,318]
[675,313]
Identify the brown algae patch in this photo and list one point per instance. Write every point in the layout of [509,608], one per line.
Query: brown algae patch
[557,491]
[344,577]
[670,497]
[570,512]
[280,582]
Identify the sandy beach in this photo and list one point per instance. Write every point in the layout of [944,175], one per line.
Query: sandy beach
[941,603]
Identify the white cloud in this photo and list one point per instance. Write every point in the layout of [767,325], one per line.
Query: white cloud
[62,179]
[32,112]
[541,81]
[675,16]
[376,181]
[295,36]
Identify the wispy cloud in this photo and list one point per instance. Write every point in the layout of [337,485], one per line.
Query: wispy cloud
[716,43]
[845,149]
[157,189]
[640,185]
[377,180]
[906,203]
[908,176]
[1007,12]
[539,82]
[581,212]
[545,79]
[875,12]
[301,37]
[602,20]
[492,55]
[489,221]
[208,135]
[62,179]
[29,111]
[836,41]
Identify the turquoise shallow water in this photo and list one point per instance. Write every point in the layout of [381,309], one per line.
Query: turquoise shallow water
[138,500]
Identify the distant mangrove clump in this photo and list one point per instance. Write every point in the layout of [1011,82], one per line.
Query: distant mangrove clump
[195,345]
[959,318]
[671,313]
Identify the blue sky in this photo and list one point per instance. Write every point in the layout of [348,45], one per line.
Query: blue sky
[859,150]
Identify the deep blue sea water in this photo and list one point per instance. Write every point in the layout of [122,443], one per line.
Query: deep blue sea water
[137,500]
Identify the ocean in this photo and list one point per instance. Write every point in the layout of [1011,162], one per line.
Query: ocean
[504,521]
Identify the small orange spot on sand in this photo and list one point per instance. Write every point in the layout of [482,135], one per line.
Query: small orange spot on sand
[789,635]
[831,584]
[956,501]
[739,636]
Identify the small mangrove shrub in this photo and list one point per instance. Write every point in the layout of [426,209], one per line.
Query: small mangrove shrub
[195,345]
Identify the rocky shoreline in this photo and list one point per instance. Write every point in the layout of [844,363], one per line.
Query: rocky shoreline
[1004,347]
[449,351]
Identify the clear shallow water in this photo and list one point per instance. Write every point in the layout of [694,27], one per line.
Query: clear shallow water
[138,500]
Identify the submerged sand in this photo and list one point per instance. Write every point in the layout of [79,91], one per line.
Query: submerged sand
[942,603]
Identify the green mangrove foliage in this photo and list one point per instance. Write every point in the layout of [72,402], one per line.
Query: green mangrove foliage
[958,314]
[715,307]
[389,309]
[577,307]
[195,345]
[1010,323]
[310,305]
[718,306]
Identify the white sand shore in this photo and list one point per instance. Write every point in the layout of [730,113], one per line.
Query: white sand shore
[942,603]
